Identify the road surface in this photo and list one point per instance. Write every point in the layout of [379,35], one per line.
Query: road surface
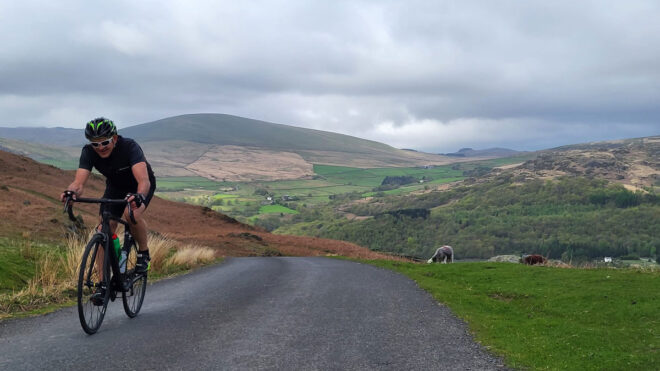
[258,313]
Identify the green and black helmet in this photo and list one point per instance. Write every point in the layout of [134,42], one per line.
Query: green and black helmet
[100,128]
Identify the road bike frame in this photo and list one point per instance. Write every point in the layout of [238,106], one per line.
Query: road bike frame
[106,217]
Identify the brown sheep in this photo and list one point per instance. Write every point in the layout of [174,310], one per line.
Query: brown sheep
[533,259]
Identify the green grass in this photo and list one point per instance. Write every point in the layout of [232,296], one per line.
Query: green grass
[17,265]
[268,209]
[544,318]
[224,196]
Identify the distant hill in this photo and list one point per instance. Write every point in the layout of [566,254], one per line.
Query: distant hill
[220,129]
[484,153]
[218,146]
[60,137]
[62,157]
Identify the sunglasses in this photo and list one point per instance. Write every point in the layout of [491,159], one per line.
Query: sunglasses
[102,144]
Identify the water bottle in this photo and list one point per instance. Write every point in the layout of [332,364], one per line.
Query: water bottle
[115,242]
[122,262]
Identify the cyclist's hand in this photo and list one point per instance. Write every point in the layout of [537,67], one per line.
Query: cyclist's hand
[135,199]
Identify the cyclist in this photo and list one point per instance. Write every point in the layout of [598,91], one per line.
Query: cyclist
[128,175]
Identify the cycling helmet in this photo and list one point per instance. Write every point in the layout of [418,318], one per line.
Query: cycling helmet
[100,128]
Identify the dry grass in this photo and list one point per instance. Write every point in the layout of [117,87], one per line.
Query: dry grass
[192,256]
[160,248]
[557,264]
[57,274]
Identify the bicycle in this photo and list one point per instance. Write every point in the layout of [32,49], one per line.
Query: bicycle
[96,282]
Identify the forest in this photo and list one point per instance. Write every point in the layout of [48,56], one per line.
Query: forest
[569,218]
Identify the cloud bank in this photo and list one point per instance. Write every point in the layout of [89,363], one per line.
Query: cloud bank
[428,75]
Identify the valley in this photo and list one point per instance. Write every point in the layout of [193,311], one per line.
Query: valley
[567,203]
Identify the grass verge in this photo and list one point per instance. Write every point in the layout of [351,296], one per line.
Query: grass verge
[546,318]
[38,280]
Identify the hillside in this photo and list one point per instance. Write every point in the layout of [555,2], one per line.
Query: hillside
[577,202]
[62,157]
[29,204]
[632,162]
[217,147]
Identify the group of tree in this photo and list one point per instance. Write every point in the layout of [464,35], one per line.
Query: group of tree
[572,217]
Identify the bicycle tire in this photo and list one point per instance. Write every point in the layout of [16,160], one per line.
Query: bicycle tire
[135,285]
[89,279]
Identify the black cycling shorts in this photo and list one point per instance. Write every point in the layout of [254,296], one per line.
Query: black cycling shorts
[117,210]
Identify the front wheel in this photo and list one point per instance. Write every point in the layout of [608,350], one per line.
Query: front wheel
[135,284]
[93,291]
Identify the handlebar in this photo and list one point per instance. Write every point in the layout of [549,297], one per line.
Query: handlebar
[69,200]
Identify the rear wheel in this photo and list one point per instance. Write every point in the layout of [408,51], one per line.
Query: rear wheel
[92,278]
[135,284]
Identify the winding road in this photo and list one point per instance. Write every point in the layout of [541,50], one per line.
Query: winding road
[259,313]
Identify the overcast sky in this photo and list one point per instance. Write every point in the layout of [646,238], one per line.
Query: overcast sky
[430,75]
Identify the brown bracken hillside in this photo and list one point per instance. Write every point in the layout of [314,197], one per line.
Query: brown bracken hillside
[29,203]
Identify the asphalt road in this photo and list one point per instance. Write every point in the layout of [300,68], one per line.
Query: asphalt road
[258,313]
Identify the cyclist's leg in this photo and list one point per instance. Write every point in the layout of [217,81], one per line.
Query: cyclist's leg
[139,230]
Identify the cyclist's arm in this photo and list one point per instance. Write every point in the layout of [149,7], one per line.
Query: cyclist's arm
[142,177]
[78,182]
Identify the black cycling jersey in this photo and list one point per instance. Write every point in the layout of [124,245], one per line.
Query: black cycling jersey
[117,167]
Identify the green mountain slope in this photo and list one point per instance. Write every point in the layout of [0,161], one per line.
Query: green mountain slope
[220,129]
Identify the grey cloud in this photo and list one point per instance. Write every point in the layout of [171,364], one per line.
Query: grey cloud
[346,66]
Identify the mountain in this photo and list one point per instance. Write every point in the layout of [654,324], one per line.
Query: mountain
[220,129]
[484,153]
[218,146]
[62,137]
[30,206]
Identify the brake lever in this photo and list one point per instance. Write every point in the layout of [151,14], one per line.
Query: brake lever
[68,205]
[130,213]
[69,210]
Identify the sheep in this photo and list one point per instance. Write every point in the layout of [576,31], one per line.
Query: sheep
[533,259]
[443,254]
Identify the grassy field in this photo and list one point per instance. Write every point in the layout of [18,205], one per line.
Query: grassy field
[242,200]
[268,209]
[545,318]
[373,177]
